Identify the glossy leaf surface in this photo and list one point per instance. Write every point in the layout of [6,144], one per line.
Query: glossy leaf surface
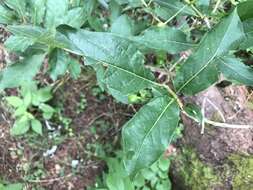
[199,71]
[148,133]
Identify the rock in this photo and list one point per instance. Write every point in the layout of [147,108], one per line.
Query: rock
[210,160]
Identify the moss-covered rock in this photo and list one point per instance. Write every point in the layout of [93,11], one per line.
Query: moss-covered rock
[192,173]
[242,171]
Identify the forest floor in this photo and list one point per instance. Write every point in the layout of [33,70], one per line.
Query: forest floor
[68,156]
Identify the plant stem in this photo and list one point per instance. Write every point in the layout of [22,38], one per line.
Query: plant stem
[226,125]
[149,3]
[144,3]
[172,17]
[216,6]
[173,94]
[175,64]
[197,11]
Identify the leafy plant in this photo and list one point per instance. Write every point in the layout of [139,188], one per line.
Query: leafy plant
[62,29]
[154,177]
[30,98]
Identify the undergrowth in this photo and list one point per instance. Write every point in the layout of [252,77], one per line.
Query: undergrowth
[145,52]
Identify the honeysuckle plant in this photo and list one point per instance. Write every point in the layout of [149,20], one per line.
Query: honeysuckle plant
[61,30]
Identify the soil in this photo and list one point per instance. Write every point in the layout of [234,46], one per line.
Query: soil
[22,159]
[58,172]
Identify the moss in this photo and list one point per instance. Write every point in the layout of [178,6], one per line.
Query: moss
[243,172]
[193,173]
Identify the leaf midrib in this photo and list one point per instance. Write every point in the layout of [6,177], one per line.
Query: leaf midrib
[115,66]
[172,6]
[208,62]
[165,41]
[153,126]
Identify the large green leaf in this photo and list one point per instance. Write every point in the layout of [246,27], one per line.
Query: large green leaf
[20,72]
[42,36]
[233,69]
[125,64]
[199,71]
[165,38]
[149,132]
[18,44]
[123,25]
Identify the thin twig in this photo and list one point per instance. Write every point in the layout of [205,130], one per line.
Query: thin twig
[218,124]
[175,64]
[203,115]
[144,3]
[197,11]
[172,17]
[216,6]
[227,125]
[218,110]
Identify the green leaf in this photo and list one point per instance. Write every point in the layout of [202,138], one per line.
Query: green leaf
[18,43]
[21,126]
[56,11]
[95,23]
[115,10]
[21,110]
[174,6]
[117,177]
[165,38]
[38,8]
[41,96]
[194,111]
[58,63]
[17,5]
[149,132]
[40,35]
[36,126]
[248,29]
[123,25]
[75,17]
[233,69]
[48,111]
[164,164]
[100,73]
[125,64]
[131,77]
[199,71]
[28,98]
[245,10]
[23,71]
[6,16]
[14,101]
[74,68]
